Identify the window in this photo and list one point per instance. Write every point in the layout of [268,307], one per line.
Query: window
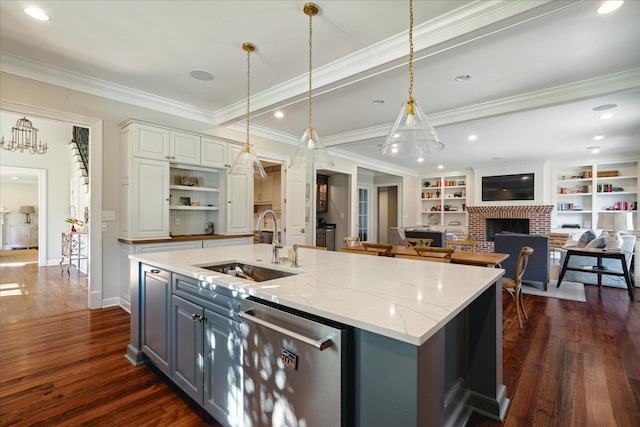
[363,213]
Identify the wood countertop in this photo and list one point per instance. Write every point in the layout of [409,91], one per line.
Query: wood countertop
[183,238]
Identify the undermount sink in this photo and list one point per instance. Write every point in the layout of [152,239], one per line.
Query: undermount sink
[251,272]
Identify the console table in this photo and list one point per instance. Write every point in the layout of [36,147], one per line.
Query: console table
[73,248]
[23,236]
[598,269]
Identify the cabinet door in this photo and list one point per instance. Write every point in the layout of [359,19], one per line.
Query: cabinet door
[277,191]
[222,349]
[213,153]
[155,320]
[184,148]
[150,198]
[239,199]
[150,142]
[186,345]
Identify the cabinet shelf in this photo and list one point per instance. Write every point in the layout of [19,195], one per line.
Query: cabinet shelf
[193,188]
[194,208]
[573,194]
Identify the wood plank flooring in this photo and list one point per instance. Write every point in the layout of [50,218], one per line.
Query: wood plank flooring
[31,292]
[573,364]
[70,370]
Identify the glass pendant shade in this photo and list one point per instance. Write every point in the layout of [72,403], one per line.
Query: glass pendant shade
[247,163]
[310,150]
[412,135]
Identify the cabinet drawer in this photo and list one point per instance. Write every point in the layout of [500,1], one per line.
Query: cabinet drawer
[219,300]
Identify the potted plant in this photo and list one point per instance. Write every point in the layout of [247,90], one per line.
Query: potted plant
[76,222]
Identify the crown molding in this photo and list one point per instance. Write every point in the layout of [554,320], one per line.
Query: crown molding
[374,164]
[38,71]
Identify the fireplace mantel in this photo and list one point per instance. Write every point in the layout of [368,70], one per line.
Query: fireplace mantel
[539,220]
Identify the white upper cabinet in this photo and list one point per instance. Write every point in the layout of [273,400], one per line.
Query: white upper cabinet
[213,153]
[150,142]
[184,148]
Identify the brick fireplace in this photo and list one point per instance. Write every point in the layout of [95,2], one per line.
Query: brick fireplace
[539,217]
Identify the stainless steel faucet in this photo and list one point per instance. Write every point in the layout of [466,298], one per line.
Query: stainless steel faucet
[275,245]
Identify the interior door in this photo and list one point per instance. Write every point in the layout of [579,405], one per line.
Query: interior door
[295,204]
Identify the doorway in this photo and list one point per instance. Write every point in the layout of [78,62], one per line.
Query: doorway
[387,211]
[95,298]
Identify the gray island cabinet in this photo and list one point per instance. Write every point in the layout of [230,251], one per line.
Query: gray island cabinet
[426,345]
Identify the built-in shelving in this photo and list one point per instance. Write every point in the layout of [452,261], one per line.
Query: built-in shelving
[192,206]
[581,192]
[444,200]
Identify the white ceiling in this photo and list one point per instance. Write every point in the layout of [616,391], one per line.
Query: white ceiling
[537,70]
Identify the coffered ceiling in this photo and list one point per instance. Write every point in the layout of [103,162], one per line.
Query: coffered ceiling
[538,69]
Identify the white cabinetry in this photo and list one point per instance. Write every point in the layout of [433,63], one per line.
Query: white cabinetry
[444,200]
[240,198]
[184,148]
[150,142]
[582,191]
[263,190]
[213,153]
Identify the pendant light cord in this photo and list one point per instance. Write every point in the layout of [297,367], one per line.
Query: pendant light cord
[248,95]
[410,50]
[310,67]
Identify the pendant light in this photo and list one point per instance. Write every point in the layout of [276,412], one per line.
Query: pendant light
[310,149]
[411,136]
[24,137]
[247,162]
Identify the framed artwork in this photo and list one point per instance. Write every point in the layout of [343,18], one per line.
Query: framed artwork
[185,201]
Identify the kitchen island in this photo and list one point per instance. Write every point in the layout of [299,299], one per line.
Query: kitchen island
[427,341]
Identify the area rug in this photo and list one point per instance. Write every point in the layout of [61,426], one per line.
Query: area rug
[571,291]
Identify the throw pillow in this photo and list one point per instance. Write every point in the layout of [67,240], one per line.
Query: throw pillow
[604,234]
[586,237]
[598,243]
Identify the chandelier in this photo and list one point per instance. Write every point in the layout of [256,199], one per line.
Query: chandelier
[24,137]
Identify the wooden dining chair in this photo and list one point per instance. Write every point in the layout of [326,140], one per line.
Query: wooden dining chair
[557,242]
[416,241]
[464,245]
[513,285]
[351,241]
[381,248]
[434,254]
[319,248]
[357,251]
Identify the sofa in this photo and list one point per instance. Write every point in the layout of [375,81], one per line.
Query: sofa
[538,266]
[614,265]
[397,235]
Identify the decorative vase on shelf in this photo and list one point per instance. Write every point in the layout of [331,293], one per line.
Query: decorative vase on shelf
[209,228]
[73,228]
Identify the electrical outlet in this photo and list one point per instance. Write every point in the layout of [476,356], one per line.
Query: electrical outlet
[176,221]
[104,226]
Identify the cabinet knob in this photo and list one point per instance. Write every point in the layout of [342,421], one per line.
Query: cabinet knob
[155,271]
[202,319]
[194,316]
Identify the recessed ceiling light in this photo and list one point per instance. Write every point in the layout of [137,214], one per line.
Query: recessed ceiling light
[378,101]
[606,116]
[420,159]
[440,166]
[594,149]
[278,114]
[598,137]
[203,75]
[496,158]
[36,13]
[472,137]
[609,6]
[605,107]
[14,177]
[463,78]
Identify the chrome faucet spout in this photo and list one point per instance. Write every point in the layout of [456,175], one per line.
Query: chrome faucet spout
[275,244]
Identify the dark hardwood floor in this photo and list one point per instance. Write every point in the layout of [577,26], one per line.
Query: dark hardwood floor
[573,364]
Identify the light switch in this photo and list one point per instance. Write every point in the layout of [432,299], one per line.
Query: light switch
[108,215]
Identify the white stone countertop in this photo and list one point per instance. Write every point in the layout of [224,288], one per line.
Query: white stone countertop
[408,300]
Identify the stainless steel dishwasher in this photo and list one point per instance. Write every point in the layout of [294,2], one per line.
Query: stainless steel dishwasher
[297,367]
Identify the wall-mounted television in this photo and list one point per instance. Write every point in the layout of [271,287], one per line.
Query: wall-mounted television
[508,187]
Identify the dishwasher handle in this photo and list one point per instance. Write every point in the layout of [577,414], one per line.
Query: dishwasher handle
[321,344]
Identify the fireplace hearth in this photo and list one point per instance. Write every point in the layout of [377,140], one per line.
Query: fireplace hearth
[538,217]
[495,226]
